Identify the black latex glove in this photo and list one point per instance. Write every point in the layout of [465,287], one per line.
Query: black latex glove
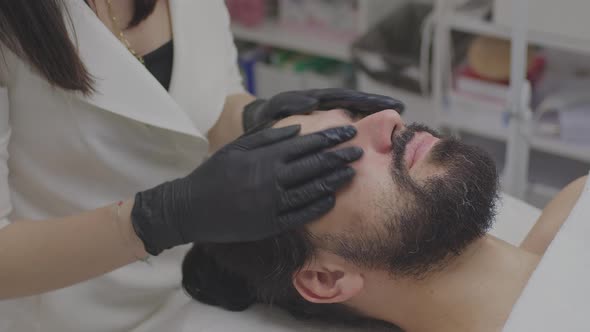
[255,187]
[260,113]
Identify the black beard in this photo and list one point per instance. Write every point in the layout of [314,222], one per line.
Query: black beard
[438,218]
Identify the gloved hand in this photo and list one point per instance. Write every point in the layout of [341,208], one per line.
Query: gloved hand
[254,187]
[260,112]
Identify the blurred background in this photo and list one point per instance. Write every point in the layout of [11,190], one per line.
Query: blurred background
[511,76]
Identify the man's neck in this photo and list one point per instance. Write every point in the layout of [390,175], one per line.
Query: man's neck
[474,293]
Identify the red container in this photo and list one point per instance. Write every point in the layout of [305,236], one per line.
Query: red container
[247,12]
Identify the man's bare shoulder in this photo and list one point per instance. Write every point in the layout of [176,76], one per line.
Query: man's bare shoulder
[553,216]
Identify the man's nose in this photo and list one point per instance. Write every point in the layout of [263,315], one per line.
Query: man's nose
[376,130]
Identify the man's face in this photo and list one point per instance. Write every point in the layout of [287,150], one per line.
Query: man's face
[416,200]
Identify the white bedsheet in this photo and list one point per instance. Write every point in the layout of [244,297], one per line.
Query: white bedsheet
[193,316]
[557,297]
[181,314]
[514,220]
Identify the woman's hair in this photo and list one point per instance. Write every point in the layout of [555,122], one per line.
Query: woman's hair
[143,9]
[235,276]
[36,30]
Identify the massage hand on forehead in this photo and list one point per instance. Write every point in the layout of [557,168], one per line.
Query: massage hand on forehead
[276,181]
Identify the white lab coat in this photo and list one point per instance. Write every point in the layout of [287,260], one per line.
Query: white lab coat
[62,153]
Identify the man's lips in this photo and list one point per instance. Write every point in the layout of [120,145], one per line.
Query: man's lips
[418,148]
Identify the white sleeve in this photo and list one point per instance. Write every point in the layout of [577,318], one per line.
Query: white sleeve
[234,84]
[5,205]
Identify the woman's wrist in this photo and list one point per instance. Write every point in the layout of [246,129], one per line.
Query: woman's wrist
[229,125]
[131,240]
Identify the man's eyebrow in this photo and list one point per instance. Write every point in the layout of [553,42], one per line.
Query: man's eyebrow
[352,115]
[261,126]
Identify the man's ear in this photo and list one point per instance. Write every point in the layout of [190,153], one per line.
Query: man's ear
[328,278]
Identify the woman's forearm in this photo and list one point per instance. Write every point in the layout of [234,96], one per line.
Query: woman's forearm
[40,256]
[229,125]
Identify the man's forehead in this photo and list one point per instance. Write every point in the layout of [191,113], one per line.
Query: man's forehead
[316,121]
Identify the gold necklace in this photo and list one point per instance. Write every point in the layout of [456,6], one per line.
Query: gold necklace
[120,33]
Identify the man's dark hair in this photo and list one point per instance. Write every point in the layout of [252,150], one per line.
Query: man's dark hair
[235,276]
[36,30]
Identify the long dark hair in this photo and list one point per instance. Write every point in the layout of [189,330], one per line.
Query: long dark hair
[36,30]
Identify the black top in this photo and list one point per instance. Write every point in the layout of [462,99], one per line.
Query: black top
[159,63]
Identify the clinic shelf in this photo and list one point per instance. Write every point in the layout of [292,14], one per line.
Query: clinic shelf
[477,25]
[490,125]
[485,124]
[493,126]
[273,34]
[558,147]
